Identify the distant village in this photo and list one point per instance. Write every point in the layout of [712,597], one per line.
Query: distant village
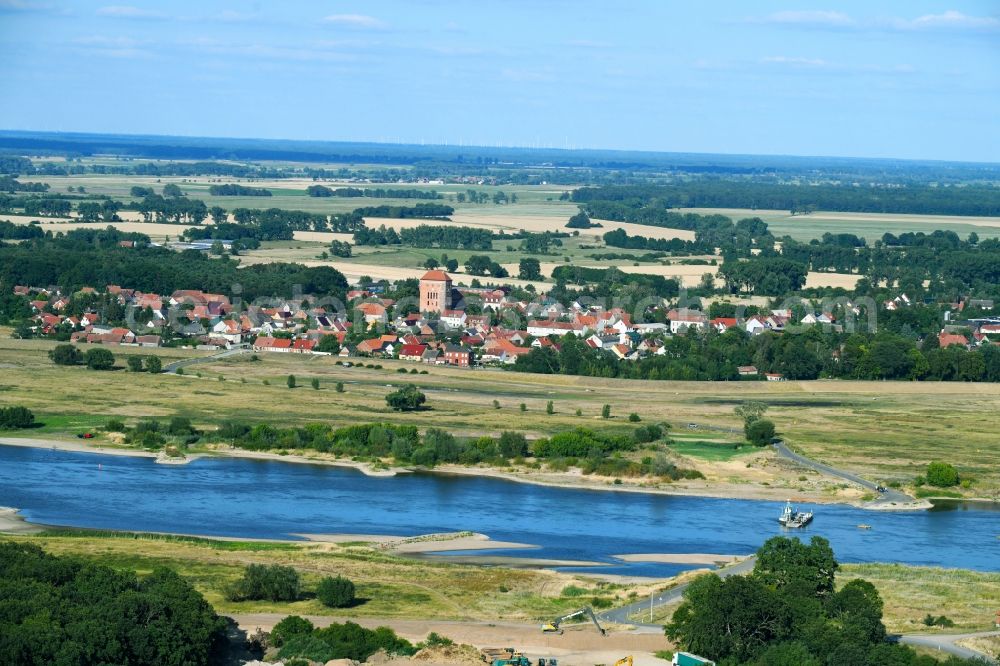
[441,333]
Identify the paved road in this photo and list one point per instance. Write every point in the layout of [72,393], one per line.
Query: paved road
[624,614]
[890,496]
[946,643]
[171,368]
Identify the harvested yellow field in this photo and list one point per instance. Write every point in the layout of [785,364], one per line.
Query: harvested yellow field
[688,275]
[352,271]
[843,280]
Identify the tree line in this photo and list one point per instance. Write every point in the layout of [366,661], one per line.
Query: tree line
[92,257]
[234,190]
[908,197]
[371,192]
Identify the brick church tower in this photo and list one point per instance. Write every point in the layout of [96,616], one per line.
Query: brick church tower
[435,292]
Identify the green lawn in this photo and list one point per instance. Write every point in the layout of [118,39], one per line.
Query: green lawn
[712,451]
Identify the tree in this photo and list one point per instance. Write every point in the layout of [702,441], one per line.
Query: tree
[733,618]
[512,444]
[451,265]
[66,355]
[218,214]
[529,268]
[154,364]
[339,387]
[760,432]
[477,264]
[750,411]
[797,568]
[407,398]
[314,382]
[328,344]
[606,412]
[290,381]
[172,190]
[16,417]
[134,363]
[550,407]
[272,582]
[580,221]
[99,358]
[336,592]
[292,625]
[942,475]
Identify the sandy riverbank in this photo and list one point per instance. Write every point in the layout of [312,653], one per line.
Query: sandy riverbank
[681,558]
[11,522]
[83,446]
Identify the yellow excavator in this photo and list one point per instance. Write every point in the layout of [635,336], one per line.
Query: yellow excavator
[624,661]
[553,626]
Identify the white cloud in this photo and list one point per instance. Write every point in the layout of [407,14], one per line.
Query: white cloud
[359,21]
[809,18]
[949,20]
[795,62]
[26,6]
[127,11]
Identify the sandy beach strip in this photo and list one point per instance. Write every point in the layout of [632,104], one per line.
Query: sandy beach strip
[12,522]
[681,558]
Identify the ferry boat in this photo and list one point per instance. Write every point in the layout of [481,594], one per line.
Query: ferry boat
[791,518]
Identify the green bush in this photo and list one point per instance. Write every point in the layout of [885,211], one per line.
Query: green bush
[134,363]
[345,641]
[634,418]
[339,388]
[293,625]
[266,582]
[13,418]
[314,382]
[760,432]
[336,592]
[154,364]
[408,398]
[114,425]
[291,381]
[99,358]
[66,355]
[942,475]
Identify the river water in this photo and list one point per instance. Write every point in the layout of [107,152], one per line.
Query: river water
[273,499]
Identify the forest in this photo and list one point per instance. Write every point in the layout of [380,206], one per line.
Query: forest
[372,192]
[61,610]
[92,257]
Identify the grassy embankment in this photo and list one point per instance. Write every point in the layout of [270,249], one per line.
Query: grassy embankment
[910,593]
[882,430]
[396,587]
[389,586]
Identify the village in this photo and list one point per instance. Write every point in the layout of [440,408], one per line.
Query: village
[440,329]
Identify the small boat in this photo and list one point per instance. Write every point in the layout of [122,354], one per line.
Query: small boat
[791,518]
[863,526]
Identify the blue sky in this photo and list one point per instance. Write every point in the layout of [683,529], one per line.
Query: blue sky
[914,79]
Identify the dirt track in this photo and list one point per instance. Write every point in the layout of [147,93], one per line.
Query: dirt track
[579,645]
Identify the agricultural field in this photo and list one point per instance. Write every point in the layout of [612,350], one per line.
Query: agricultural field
[882,430]
[870,226]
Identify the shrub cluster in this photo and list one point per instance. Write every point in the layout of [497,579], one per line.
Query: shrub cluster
[13,418]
